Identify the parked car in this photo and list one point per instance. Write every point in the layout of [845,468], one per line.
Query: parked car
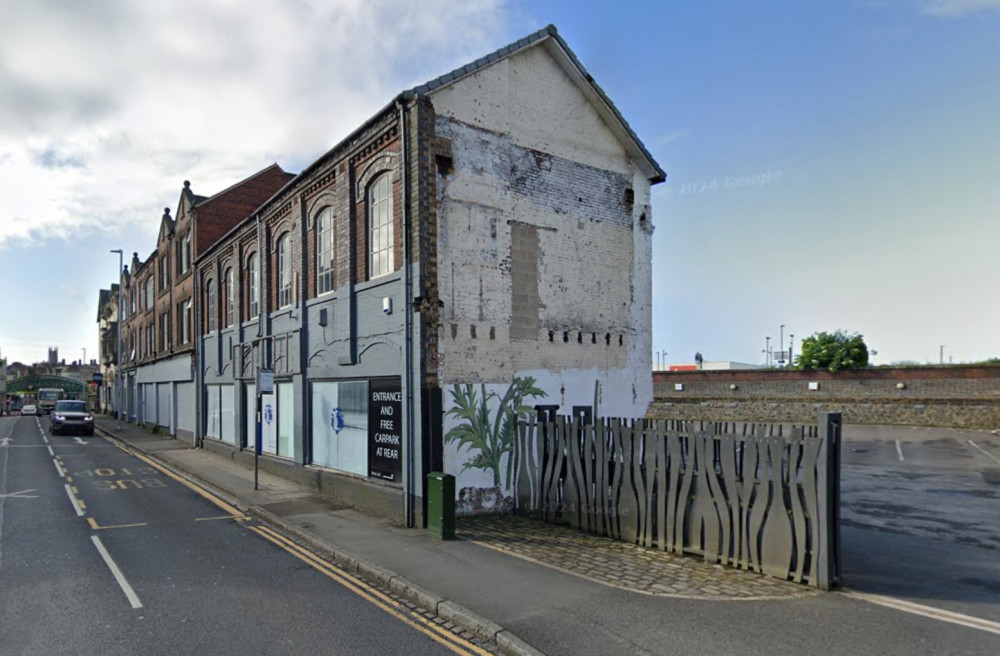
[29,411]
[71,416]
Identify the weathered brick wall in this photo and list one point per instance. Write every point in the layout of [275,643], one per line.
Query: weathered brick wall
[538,209]
[965,397]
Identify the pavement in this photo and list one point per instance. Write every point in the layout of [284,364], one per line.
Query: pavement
[527,588]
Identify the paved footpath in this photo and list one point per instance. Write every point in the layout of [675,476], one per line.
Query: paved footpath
[536,588]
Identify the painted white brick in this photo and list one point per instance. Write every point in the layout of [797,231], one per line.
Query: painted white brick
[528,147]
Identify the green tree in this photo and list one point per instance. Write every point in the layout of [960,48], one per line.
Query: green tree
[833,351]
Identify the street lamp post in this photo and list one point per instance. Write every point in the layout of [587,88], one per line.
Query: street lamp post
[781,345]
[118,334]
[791,340]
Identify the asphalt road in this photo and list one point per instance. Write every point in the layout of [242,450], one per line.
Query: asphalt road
[921,516]
[102,553]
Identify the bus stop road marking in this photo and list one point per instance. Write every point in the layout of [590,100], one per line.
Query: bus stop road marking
[238,518]
[229,508]
[94,525]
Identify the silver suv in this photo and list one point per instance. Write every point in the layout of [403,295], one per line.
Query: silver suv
[71,416]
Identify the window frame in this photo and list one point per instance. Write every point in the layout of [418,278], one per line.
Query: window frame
[186,253]
[284,261]
[165,329]
[253,286]
[229,314]
[165,271]
[382,254]
[186,320]
[210,305]
[325,250]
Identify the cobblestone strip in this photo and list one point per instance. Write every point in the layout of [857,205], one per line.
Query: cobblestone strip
[621,565]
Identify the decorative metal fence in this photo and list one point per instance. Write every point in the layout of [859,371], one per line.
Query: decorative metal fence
[762,497]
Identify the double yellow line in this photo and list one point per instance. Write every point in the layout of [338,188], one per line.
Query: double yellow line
[364,590]
[374,596]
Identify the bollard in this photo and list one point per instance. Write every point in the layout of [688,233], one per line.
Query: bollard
[441,505]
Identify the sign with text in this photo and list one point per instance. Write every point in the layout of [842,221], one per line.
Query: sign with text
[265,381]
[385,429]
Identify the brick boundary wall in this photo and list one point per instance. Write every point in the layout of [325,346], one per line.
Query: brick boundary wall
[955,396]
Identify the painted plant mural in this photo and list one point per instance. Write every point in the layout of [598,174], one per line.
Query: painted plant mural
[488,434]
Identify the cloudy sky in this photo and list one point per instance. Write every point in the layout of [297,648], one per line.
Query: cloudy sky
[831,165]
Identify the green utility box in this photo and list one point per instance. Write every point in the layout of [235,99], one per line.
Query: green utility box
[441,505]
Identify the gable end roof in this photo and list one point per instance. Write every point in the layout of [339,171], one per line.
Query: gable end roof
[577,72]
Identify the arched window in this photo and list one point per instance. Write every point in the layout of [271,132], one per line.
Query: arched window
[230,301]
[324,251]
[210,308]
[253,286]
[284,272]
[380,260]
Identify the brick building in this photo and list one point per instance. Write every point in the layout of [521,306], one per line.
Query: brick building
[158,329]
[479,246]
[107,358]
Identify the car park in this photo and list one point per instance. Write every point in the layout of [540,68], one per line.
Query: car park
[71,416]
[29,411]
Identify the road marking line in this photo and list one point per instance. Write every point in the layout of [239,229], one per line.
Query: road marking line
[51,452]
[899,450]
[209,519]
[94,525]
[985,451]
[180,479]
[62,472]
[73,500]
[928,611]
[373,595]
[122,582]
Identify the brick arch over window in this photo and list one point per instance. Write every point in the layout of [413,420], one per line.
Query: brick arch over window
[385,162]
[325,199]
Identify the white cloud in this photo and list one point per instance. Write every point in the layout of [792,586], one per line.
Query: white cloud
[960,7]
[109,106]
[669,137]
